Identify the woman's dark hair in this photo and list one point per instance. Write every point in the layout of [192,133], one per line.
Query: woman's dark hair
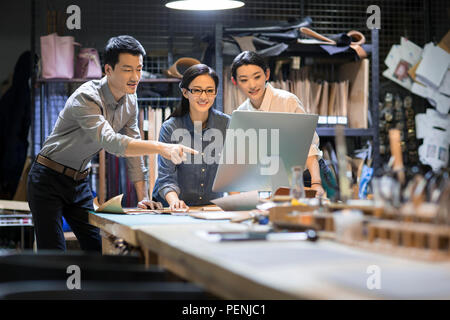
[122,44]
[245,58]
[188,76]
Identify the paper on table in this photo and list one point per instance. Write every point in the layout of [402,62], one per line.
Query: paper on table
[114,205]
[236,202]
[222,215]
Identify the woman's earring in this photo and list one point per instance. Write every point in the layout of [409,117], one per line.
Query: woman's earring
[233,81]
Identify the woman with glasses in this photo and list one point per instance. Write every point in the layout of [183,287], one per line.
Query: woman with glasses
[193,123]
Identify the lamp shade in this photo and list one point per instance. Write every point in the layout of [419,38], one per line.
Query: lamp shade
[204,4]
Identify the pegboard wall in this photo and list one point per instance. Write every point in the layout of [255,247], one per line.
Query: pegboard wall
[161,30]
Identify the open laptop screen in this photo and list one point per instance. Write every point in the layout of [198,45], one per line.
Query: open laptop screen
[261,148]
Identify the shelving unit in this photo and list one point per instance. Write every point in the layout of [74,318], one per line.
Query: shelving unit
[309,50]
[349,132]
[17,214]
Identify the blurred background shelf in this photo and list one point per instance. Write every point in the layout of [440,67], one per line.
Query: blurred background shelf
[77,80]
[351,132]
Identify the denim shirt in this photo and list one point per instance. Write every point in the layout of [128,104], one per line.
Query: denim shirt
[193,179]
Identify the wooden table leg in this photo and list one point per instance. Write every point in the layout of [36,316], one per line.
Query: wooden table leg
[150,258]
[108,247]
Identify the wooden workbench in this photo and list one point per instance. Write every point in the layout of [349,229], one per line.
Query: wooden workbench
[125,226]
[274,270]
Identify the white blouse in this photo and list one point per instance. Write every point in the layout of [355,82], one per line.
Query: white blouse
[277,100]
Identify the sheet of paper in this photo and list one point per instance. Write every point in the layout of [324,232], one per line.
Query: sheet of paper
[236,202]
[445,85]
[113,205]
[400,59]
[434,65]
[405,82]
[438,100]
[222,215]
[420,90]
[393,57]
[426,122]
[147,211]
[410,52]
[434,150]
[421,126]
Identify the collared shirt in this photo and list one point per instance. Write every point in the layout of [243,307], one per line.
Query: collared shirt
[277,100]
[93,120]
[193,179]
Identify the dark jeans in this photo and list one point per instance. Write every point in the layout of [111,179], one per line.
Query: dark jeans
[51,196]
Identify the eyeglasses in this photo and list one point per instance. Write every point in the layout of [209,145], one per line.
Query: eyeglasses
[198,92]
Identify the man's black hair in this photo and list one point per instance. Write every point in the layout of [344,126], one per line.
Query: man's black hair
[122,44]
[246,58]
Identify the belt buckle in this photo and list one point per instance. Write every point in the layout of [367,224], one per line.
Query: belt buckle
[82,175]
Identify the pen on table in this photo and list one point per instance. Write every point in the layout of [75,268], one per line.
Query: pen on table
[310,235]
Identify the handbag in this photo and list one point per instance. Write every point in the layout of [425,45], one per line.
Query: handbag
[88,64]
[57,54]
